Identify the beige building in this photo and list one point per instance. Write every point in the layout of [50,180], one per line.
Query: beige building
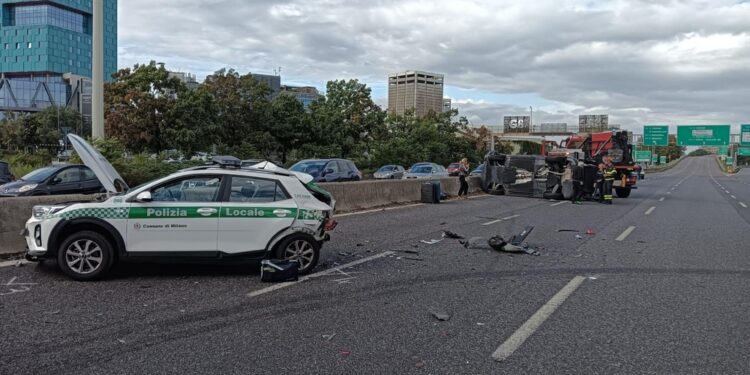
[416,90]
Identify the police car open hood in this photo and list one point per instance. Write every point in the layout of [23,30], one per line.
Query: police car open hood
[107,174]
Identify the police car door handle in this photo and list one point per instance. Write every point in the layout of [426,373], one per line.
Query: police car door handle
[206,211]
[281,212]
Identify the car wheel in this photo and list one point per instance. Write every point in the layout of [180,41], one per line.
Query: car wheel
[302,248]
[85,256]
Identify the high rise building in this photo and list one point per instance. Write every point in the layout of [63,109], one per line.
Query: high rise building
[45,53]
[187,78]
[304,94]
[272,81]
[417,90]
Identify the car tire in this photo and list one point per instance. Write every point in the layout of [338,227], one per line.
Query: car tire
[295,246]
[85,256]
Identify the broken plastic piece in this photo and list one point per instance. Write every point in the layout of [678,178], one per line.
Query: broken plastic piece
[431,242]
[568,230]
[441,316]
[590,232]
[579,237]
[449,234]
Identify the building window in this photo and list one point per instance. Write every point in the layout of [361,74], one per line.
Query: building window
[29,45]
[18,45]
[47,14]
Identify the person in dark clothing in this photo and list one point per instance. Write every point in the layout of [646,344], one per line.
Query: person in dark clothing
[463,172]
[609,180]
[577,177]
[600,183]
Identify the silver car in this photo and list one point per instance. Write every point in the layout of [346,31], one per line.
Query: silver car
[426,171]
[390,171]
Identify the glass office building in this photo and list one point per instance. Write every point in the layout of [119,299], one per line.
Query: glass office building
[45,52]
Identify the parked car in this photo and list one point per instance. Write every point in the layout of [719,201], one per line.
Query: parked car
[389,172]
[478,171]
[426,171]
[201,156]
[210,213]
[328,170]
[55,179]
[453,169]
[5,175]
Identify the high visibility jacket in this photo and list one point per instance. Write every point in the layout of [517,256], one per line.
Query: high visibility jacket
[609,174]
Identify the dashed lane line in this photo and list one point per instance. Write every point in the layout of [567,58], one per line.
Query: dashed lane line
[650,210]
[507,348]
[318,274]
[743,205]
[661,199]
[625,234]
[9,263]
[499,220]
[559,203]
[378,210]
[733,197]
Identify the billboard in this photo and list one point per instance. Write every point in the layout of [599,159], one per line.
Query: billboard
[516,124]
[553,127]
[593,123]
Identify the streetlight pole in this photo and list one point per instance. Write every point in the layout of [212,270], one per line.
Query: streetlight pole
[97,76]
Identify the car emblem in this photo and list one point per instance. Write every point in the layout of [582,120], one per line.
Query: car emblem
[137,226]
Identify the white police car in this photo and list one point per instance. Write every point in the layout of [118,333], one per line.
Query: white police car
[207,213]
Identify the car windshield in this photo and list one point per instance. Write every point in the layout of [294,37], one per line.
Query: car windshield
[310,167]
[40,175]
[421,169]
[387,168]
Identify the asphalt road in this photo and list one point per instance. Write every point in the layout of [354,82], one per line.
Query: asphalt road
[661,286]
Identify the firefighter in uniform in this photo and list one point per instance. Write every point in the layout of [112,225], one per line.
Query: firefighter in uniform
[609,179]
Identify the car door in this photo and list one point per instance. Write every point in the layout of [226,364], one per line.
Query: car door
[89,182]
[335,174]
[253,211]
[65,181]
[182,216]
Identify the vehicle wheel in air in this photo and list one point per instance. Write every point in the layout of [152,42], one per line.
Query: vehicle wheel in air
[622,192]
[85,256]
[302,248]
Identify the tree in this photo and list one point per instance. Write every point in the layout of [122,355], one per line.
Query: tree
[348,118]
[136,104]
[289,125]
[191,124]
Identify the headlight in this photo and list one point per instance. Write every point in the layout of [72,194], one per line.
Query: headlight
[43,212]
[26,188]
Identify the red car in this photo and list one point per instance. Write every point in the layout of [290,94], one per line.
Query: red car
[453,169]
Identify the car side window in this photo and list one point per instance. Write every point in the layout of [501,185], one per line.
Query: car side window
[343,166]
[333,165]
[255,190]
[191,189]
[69,175]
[351,165]
[87,174]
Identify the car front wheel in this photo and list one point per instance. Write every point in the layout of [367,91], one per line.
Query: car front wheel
[302,248]
[85,256]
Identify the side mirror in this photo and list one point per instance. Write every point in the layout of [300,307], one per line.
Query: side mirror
[55,181]
[144,196]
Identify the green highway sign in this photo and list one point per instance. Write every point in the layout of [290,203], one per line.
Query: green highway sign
[723,150]
[654,159]
[642,155]
[745,134]
[662,160]
[729,161]
[656,135]
[702,135]
[743,151]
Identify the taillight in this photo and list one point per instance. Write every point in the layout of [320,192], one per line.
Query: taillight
[329,224]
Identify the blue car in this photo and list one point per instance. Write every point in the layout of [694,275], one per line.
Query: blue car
[328,170]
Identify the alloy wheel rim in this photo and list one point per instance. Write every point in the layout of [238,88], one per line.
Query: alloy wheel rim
[84,256]
[301,251]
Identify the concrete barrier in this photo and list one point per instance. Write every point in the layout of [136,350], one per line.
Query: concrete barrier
[350,196]
[362,195]
[15,211]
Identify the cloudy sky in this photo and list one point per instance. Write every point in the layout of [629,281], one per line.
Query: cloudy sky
[642,62]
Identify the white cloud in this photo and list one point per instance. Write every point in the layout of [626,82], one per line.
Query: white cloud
[642,61]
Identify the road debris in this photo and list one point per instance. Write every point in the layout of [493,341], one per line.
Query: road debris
[579,237]
[329,337]
[410,258]
[345,353]
[449,234]
[431,242]
[407,251]
[440,315]
[274,270]
[497,243]
[121,341]
[590,232]
[568,230]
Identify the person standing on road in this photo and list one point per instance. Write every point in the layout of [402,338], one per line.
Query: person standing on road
[463,172]
[609,180]
[577,177]
[599,193]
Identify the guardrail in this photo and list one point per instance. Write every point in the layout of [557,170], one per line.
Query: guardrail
[350,196]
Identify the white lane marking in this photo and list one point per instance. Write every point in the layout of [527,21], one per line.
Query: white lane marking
[558,203]
[499,220]
[528,328]
[318,274]
[9,263]
[625,234]
[661,199]
[378,210]
[743,205]
[479,196]
[650,210]
[733,197]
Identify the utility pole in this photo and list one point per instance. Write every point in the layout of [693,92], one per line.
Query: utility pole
[97,79]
